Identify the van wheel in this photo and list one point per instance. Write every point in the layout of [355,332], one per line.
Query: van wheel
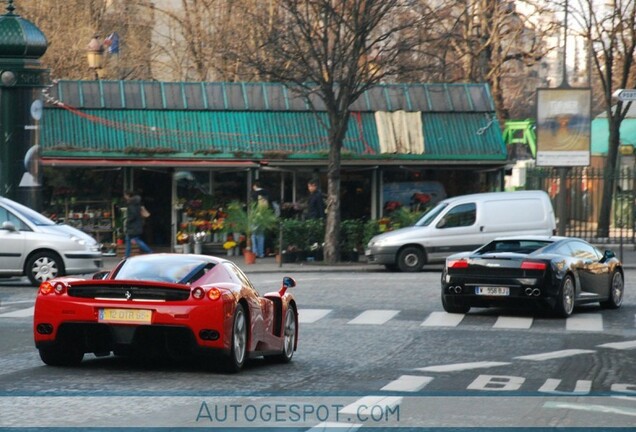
[43,266]
[411,259]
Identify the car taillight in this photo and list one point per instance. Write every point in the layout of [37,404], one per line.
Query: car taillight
[46,288]
[455,264]
[60,288]
[214,294]
[198,293]
[531,265]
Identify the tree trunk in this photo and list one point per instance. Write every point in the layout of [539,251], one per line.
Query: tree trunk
[337,129]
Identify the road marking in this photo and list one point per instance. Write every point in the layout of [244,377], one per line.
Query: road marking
[443,319]
[410,383]
[20,313]
[555,354]
[331,426]
[591,407]
[311,315]
[374,316]
[619,345]
[586,322]
[362,406]
[461,366]
[513,322]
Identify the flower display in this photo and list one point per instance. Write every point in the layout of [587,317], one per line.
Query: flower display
[229,244]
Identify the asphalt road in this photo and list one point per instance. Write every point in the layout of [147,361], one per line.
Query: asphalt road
[376,350]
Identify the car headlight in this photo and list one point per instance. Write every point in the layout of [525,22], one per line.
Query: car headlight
[381,242]
[78,240]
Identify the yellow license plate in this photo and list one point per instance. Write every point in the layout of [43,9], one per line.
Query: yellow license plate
[137,316]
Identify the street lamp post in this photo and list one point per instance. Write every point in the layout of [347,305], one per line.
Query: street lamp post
[95,55]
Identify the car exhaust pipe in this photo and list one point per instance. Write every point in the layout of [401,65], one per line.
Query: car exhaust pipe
[536,292]
[528,291]
[457,289]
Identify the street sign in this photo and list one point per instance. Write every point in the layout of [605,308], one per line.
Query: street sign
[625,95]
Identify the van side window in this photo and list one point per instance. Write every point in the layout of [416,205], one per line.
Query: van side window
[459,216]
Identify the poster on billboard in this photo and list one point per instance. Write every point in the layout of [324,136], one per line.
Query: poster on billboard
[563,127]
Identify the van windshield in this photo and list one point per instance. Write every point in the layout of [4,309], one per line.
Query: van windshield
[428,217]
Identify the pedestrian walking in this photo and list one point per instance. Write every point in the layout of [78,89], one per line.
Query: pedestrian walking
[135,223]
[315,204]
[262,199]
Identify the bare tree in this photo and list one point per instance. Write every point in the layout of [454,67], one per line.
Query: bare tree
[496,42]
[329,52]
[610,29]
[69,25]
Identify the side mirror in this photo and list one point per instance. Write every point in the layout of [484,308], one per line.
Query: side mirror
[288,282]
[101,275]
[6,225]
[608,254]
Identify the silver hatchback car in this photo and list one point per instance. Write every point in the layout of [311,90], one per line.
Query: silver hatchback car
[34,246]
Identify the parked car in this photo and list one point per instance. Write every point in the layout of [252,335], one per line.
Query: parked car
[557,272]
[165,305]
[32,245]
[462,224]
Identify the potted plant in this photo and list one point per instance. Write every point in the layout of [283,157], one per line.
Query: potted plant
[248,220]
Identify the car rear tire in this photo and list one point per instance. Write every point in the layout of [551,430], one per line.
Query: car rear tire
[450,305]
[616,290]
[411,259]
[290,331]
[43,266]
[61,356]
[565,301]
[238,344]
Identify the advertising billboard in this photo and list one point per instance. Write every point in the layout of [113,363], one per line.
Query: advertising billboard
[563,127]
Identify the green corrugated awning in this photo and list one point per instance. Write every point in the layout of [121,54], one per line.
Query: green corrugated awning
[112,129]
[218,134]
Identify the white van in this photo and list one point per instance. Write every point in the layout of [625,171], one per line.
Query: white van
[462,224]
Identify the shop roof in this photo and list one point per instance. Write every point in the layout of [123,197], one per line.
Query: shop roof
[220,121]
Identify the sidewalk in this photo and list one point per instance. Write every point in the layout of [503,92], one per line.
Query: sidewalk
[269,264]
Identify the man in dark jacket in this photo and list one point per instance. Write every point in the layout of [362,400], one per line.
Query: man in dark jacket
[315,204]
[134,223]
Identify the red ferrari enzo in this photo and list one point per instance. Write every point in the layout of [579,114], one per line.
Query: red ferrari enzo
[172,305]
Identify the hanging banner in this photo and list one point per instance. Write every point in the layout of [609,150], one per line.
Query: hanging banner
[563,127]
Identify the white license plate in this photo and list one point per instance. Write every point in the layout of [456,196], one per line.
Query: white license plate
[492,291]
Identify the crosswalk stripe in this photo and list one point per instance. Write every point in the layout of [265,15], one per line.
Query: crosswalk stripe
[513,322]
[585,322]
[410,383]
[20,313]
[311,315]
[443,319]
[374,316]
[555,354]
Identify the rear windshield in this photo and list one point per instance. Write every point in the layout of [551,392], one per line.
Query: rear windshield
[516,246]
[164,268]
